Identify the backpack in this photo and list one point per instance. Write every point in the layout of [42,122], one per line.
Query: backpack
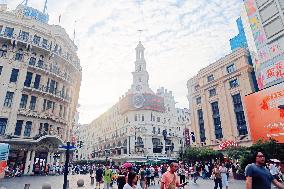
[148,172]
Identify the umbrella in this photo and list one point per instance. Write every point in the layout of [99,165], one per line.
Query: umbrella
[127,165]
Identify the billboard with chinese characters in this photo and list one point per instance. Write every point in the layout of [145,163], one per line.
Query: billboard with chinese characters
[186,137]
[268,54]
[265,111]
[141,102]
[4,152]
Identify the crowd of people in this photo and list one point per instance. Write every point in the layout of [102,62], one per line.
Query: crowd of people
[168,176]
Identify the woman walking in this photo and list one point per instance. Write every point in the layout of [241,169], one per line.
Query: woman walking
[132,181]
[217,177]
[224,172]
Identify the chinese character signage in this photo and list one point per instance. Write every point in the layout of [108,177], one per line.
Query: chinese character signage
[265,111]
[186,137]
[268,53]
[36,14]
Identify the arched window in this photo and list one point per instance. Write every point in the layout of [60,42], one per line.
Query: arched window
[135,118]
[3,50]
[19,55]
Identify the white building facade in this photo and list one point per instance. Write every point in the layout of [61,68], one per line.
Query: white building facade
[143,124]
[40,79]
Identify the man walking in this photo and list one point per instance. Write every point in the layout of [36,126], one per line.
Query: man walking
[169,179]
[259,177]
[107,177]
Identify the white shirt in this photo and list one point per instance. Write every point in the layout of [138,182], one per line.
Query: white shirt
[127,186]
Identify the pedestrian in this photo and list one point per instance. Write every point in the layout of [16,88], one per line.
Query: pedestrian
[217,177]
[148,176]
[99,176]
[170,179]
[92,176]
[131,181]
[142,174]
[121,177]
[224,171]
[181,173]
[107,174]
[259,177]
[195,173]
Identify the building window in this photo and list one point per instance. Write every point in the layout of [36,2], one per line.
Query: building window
[135,118]
[140,80]
[240,116]
[24,36]
[1,68]
[210,78]
[8,99]
[24,101]
[158,119]
[28,129]
[28,80]
[37,81]
[196,87]
[201,125]
[159,131]
[32,61]
[216,120]
[142,117]
[3,50]
[33,103]
[44,43]
[14,75]
[18,129]
[36,40]
[154,118]
[234,83]
[231,68]
[19,55]
[212,92]
[40,62]
[3,124]
[8,32]
[154,130]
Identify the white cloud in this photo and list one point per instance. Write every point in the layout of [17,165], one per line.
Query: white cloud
[180,38]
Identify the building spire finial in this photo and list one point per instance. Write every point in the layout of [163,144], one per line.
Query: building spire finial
[140,32]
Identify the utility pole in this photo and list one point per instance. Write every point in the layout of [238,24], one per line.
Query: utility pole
[66,166]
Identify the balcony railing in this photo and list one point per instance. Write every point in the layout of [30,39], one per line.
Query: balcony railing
[50,69]
[49,91]
[43,115]
[44,45]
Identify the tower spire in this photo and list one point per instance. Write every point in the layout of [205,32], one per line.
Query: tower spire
[140,32]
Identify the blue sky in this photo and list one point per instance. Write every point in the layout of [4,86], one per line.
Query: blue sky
[180,38]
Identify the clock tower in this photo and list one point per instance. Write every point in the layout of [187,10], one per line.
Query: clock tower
[140,75]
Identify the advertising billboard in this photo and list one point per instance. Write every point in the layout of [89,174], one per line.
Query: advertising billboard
[186,137]
[4,152]
[269,53]
[265,111]
[141,102]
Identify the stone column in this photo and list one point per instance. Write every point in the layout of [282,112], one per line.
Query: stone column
[52,158]
[48,158]
[32,163]
[27,162]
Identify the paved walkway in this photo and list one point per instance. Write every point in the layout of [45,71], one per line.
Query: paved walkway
[57,183]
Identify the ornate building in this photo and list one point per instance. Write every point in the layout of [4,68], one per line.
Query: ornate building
[216,101]
[40,78]
[142,125]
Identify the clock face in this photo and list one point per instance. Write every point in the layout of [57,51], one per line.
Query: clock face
[138,87]
[138,100]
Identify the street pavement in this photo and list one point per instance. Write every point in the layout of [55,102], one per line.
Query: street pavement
[57,183]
